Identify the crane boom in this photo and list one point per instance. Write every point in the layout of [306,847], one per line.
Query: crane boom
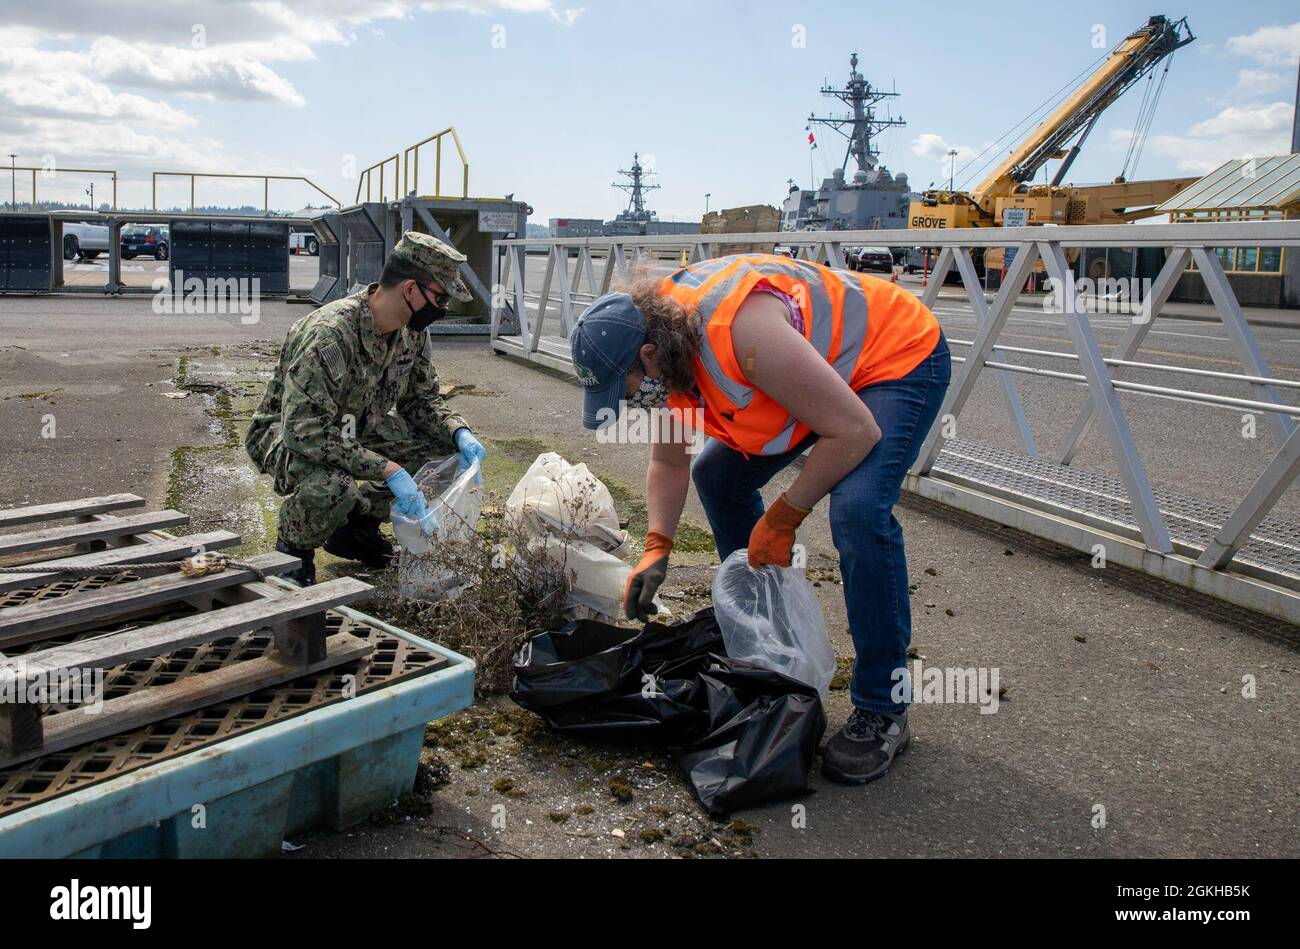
[1135,56]
[1010,184]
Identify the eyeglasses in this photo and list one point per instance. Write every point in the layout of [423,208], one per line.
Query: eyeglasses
[440,300]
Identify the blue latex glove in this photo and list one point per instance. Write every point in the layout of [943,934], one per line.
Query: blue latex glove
[429,523]
[410,499]
[470,448]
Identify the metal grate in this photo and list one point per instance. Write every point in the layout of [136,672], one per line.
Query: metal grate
[1274,546]
[62,588]
[33,782]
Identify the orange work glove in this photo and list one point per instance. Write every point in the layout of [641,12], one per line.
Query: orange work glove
[647,577]
[772,539]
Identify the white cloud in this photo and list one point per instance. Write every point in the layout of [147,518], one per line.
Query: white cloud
[1235,132]
[39,83]
[1244,121]
[108,85]
[1271,45]
[222,49]
[1258,82]
[220,72]
[933,147]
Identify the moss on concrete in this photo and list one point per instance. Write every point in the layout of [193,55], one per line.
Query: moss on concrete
[33,396]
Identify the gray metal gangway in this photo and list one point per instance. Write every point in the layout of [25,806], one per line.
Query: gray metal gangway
[1242,553]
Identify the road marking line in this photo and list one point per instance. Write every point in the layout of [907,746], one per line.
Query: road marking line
[1276,370]
[1219,339]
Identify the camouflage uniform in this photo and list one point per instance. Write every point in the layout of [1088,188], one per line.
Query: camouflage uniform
[326,427]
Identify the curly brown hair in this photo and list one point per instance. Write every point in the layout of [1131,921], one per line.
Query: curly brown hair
[671,326]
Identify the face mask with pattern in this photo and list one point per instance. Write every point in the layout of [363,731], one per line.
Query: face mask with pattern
[651,394]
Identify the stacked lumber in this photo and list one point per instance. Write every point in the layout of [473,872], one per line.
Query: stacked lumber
[751,219]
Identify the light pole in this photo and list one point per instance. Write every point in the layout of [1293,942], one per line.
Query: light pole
[707,195]
[91,191]
[13,187]
[952,164]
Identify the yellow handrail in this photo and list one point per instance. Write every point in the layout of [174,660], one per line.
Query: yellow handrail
[56,170]
[411,154]
[265,179]
[381,165]
[407,163]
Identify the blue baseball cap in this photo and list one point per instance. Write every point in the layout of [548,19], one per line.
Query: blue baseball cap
[604,345]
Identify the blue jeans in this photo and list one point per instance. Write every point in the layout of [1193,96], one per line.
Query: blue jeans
[866,533]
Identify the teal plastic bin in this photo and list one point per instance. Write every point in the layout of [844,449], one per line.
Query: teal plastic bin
[332,767]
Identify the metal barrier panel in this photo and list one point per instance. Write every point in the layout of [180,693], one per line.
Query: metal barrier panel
[191,250]
[1242,553]
[367,246]
[268,255]
[26,263]
[223,250]
[330,284]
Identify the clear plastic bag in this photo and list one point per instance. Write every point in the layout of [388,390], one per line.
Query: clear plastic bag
[454,497]
[771,617]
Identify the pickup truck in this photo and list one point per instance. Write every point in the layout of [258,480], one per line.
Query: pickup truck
[84,241]
[304,242]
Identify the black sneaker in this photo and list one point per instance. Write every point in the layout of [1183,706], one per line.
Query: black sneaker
[359,539]
[305,575]
[865,747]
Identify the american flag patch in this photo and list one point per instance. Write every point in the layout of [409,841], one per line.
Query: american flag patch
[332,357]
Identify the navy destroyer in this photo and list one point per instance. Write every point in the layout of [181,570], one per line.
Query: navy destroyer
[873,198]
[635,220]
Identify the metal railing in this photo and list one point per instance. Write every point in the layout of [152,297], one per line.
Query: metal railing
[411,166]
[365,178]
[406,165]
[53,171]
[1240,554]
[265,179]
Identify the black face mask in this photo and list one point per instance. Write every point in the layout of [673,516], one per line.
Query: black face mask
[429,313]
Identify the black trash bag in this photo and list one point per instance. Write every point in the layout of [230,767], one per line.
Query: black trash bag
[743,734]
[762,734]
[592,677]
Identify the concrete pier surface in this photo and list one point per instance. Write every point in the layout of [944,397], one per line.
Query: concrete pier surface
[1128,725]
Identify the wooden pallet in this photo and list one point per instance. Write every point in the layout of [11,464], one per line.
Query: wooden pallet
[224,604]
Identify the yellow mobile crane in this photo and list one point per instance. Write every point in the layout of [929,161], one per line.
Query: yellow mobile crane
[1010,183]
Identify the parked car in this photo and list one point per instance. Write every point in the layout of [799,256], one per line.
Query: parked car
[871,258]
[152,240]
[84,241]
[304,242]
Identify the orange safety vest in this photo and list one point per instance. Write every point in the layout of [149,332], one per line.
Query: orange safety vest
[869,330]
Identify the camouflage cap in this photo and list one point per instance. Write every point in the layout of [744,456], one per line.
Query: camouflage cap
[437,258]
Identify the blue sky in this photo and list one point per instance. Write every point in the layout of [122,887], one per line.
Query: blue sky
[551,99]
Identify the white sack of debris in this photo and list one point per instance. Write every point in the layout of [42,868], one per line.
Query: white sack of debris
[569,512]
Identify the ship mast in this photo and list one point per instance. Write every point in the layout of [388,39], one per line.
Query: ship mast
[636,188]
[862,124]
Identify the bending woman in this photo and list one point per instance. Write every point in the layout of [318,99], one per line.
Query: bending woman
[777,356]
